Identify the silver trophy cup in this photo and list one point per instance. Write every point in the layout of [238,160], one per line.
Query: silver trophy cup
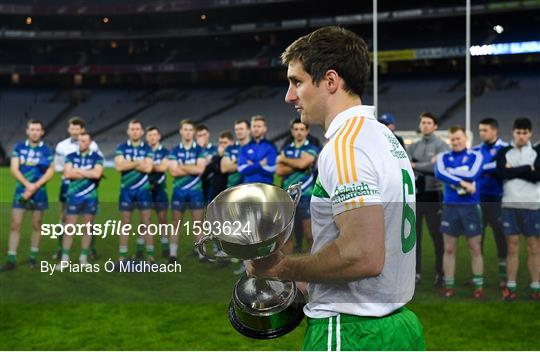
[260,219]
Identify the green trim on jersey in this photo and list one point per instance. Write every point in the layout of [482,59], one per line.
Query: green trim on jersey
[319,191]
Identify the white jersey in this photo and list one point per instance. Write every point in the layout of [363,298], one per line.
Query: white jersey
[363,164]
[66,147]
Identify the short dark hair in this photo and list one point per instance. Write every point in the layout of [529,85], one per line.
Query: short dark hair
[298,120]
[136,121]
[35,122]
[431,116]
[238,122]
[201,127]
[86,134]
[153,128]
[522,123]
[456,128]
[226,134]
[187,122]
[77,121]
[258,118]
[490,121]
[332,48]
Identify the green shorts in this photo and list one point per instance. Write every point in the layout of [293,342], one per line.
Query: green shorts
[400,330]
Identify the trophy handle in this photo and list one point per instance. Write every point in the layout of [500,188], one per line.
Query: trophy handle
[201,249]
[296,190]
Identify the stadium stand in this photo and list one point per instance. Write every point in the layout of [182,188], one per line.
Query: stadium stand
[108,110]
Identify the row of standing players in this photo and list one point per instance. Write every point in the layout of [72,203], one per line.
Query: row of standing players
[200,171]
[475,183]
[461,191]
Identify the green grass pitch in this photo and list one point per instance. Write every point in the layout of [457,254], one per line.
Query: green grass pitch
[188,310]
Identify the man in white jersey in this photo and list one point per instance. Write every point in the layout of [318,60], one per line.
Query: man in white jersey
[76,126]
[361,269]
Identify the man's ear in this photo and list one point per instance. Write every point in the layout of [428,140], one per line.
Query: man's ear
[332,81]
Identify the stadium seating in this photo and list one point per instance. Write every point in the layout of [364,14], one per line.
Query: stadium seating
[108,111]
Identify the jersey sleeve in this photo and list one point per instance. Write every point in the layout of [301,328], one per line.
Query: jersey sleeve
[148,152]
[99,159]
[349,176]
[16,152]
[172,155]
[119,150]
[202,153]
[227,153]
[312,150]
[59,158]
[442,174]
[48,156]
[68,159]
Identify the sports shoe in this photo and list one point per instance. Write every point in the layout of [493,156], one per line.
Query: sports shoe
[9,266]
[535,296]
[508,295]
[57,255]
[448,292]
[151,259]
[139,255]
[32,263]
[172,260]
[479,293]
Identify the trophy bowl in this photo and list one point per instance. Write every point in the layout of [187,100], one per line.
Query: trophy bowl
[259,217]
[266,308]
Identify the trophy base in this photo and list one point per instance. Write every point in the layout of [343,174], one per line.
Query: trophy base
[269,327]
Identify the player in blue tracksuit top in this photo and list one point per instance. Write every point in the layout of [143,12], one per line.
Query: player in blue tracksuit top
[257,159]
[459,170]
[490,187]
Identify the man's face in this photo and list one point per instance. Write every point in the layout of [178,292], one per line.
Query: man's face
[187,131]
[521,137]
[308,99]
[241,130]
[487,133]
[222,144]
[34,131]
[203,137]
[458,141]
[135,132]
[74,131]
[153,137]
[258,129]
[427,126]
[299,132]
[84,142]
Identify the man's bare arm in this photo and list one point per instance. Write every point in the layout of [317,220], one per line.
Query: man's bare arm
[302,163]
[14,166]
[121,164]
[357,253]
